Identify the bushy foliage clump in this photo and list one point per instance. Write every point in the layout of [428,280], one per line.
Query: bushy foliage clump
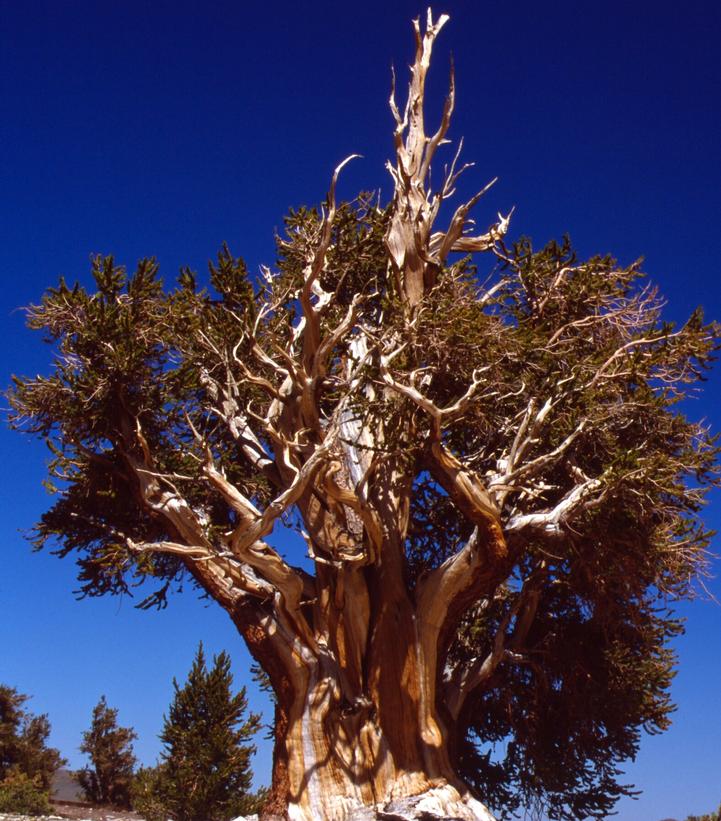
[24,795]
[146,793]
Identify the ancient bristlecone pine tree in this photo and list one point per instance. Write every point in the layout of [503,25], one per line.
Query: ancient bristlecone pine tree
[485,461]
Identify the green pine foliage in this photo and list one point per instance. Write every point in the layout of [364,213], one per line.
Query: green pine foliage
[146,793]
[551,731]
[25,757]
[20,794]
[205,772]
[110,749]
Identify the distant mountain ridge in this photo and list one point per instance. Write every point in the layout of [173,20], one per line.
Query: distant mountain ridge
[65,787]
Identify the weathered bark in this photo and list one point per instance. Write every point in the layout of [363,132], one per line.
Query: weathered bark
[349,737]
[359,707]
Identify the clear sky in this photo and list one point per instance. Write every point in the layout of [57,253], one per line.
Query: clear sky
[164,128]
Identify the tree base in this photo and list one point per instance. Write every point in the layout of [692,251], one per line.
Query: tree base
[437,804]
[443,803]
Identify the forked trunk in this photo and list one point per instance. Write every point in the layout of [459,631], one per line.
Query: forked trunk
[357,731]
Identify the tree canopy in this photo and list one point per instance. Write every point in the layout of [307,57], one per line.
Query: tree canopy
[483,445]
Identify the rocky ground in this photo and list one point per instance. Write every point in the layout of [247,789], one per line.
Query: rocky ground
[63,812]
[434,805]
[75,812]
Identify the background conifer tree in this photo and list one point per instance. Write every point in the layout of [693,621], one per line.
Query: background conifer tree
[23,741]
[205,770]
[110,749]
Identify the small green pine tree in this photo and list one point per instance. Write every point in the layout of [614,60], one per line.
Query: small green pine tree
[110,749]
[205,772]
[23,741]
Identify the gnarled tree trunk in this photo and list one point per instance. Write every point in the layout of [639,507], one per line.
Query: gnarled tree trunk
[361,714]
[358,719]
[356,653]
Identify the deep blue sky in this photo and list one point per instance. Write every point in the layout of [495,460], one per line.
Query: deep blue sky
[166,128]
